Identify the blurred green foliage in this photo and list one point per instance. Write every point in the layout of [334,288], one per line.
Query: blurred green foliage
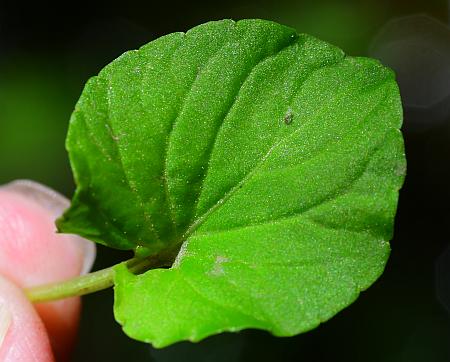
[34,111]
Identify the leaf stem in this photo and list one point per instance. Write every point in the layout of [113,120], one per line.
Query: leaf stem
[86,284]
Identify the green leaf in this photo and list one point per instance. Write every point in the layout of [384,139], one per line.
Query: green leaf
[272,159]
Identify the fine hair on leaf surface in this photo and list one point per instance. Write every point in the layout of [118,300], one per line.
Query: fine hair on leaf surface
[260,164]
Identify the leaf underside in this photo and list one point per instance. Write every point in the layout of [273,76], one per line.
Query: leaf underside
[271,158]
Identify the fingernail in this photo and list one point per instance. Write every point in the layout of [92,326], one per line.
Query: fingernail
[5,322]
[42,195]
[55,203]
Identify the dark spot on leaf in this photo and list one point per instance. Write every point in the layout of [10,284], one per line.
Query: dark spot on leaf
[288,117]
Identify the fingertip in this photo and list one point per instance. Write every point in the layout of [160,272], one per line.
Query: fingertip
[23,336]
[53,205]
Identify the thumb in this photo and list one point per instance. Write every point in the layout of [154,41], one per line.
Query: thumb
[31,253]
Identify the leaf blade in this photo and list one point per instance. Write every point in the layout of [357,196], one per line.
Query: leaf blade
[271,157]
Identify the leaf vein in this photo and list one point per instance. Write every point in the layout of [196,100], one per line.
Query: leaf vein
[328,198]
[145,214]
[231,107]
[212,301]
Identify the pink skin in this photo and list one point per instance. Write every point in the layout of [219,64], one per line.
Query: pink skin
[31,253]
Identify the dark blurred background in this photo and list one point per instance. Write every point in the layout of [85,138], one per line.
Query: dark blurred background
[48,52]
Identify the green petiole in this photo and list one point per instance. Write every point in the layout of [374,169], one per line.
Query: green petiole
[86,284]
